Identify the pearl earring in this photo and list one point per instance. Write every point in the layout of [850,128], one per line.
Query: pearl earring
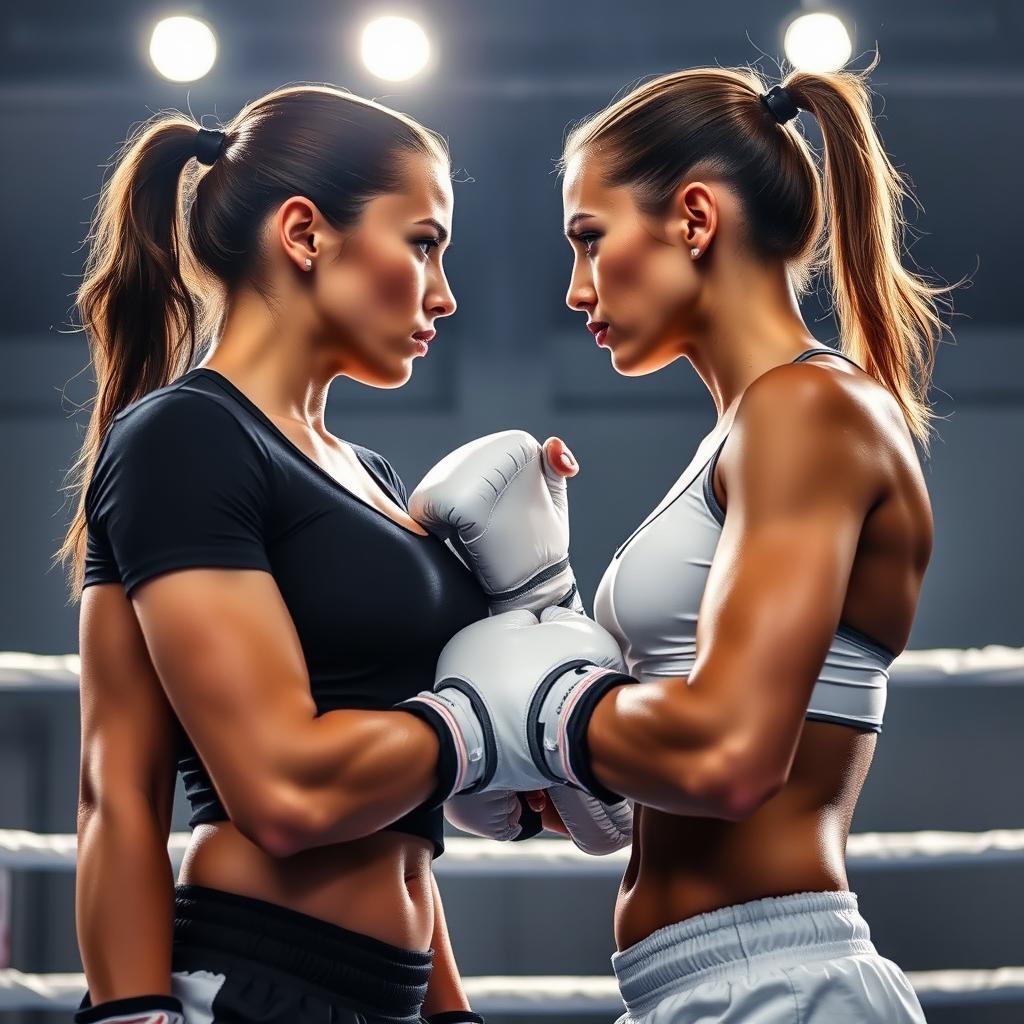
[695,252]
[309,263]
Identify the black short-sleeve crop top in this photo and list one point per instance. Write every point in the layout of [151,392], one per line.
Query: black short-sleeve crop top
[195,474]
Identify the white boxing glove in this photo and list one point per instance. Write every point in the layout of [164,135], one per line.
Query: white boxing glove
[499,814]
[505,511]
[594,826]
[512,701]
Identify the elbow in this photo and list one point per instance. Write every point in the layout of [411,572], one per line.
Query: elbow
[735,790]
[278,823]
[273,837]
[128,807]
[745,797]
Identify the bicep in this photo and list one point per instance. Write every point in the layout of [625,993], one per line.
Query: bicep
[770,609]
[129,734]
[183,495]
[229,658]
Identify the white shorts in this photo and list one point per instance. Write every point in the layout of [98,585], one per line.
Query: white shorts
[801,959]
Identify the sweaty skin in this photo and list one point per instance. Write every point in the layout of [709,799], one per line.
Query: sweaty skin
[796,841]
[738,797]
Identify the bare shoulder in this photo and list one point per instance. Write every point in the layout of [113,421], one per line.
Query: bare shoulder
[834,430]
[796,393]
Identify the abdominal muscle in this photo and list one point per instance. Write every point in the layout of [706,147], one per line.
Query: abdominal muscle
[681,866]
[379,885]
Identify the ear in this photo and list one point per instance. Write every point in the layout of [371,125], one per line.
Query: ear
[296,226]
[693,215]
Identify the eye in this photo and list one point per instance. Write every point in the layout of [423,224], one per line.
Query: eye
[431,243]
[587,238]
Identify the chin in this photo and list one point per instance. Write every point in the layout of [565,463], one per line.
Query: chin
[639,360]
[628,364]
[401,377]
[386,378]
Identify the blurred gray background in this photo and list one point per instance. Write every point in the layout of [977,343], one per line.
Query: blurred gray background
[510,77]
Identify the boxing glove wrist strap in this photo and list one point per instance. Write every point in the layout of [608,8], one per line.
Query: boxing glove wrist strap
[467,748]
[554,585]
[565,712]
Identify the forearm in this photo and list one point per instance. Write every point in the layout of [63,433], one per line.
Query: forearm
[663,746]
[444,990]
[124,901]
[354,772]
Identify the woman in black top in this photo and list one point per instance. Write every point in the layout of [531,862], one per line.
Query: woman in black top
[254,593]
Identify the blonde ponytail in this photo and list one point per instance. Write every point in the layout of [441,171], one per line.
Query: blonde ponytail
[888,316]
[852,226]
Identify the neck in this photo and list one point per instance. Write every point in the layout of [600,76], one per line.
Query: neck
[277,365]
[755,325]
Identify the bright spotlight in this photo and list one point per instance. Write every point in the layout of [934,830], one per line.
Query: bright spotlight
[817,42]
[395,48]
[182,49]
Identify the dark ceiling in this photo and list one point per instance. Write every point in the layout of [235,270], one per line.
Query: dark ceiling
[509,78]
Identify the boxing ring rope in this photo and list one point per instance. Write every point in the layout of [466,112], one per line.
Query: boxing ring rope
[992,665]
[558,858]
[475,858]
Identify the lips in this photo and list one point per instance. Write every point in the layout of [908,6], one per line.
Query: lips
[425,336]
[599,329]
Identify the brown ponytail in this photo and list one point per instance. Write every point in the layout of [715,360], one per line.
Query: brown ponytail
[167,249]
[888,318]
[705,120]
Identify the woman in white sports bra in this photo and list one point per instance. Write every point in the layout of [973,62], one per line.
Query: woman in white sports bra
[800,533]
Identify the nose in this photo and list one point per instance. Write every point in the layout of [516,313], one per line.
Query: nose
[581,295]
[442,302]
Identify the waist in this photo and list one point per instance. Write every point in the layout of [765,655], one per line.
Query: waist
[215,928]
[798,928]
[682,867]
[379,885]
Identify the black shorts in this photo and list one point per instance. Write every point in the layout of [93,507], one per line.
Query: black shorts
[239,960]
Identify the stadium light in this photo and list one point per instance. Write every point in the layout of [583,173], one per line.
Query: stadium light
[182,48]
[817,42]
[395,48]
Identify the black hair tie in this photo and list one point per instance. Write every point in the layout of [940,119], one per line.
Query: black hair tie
[209,145]
[780,104]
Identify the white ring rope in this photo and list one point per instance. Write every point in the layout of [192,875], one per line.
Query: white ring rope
[992,665]
[472,858]
[465,857]
[552,994]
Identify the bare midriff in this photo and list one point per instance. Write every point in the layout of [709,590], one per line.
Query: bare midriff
[379,885]
[796,842]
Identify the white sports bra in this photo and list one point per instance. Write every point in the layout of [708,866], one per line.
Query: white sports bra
[650,594]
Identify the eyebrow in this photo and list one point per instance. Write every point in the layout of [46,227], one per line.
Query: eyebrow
[436,224]
[572,221]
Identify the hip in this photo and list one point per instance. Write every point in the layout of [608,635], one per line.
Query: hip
[236,958]
[800,957]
